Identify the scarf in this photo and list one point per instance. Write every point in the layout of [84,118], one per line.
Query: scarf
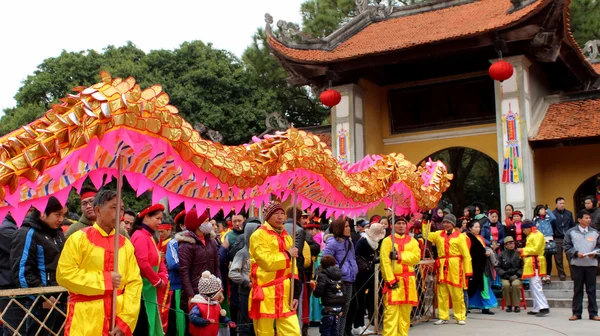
[374,245]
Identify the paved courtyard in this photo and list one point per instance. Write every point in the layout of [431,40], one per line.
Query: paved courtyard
[510,324]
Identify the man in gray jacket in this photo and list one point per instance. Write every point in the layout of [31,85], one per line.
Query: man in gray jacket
[239,273]
[581,244]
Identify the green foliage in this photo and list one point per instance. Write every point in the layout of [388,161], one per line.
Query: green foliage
[475,179]
[296,103]
[585,20]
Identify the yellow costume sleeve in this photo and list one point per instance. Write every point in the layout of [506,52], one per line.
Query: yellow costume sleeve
[132,284]
[71,274]
[431,236]
[532,246]
[263,252]
[411,254]
[385,261]
[463,247]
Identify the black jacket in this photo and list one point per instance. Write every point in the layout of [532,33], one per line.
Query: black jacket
[329,287]
[315,249]
[7,231]
[298,243]
[510,263]
[562,224]
[34,253]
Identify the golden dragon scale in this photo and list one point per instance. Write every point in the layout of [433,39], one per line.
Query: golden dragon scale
[83,136]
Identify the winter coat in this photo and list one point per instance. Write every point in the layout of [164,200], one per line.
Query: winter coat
[196,257]
[545,225]
[339,248]
[298,243]
[488,236]
[576,242]
[564,222]
[34,253]
[7,232]
[329,287]
[239,272]
[595,213]
[510,263]
[365,260]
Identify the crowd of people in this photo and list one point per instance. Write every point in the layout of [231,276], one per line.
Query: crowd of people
[196,275]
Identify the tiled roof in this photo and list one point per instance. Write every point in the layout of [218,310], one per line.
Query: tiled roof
[413,30]
[571,120]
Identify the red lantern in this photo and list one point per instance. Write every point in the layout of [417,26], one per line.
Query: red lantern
[330,97]
[501,71]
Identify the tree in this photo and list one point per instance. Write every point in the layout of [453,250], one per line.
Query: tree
[296,103]
[585,20]
[475,179]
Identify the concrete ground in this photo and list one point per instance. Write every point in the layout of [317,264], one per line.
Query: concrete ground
[509,324]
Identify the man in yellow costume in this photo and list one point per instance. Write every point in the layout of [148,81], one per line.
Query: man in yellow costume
[271,252]
[534,267]
[86,270]
[454,267]
[398,270]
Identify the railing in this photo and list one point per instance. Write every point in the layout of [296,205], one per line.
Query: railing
[37,311]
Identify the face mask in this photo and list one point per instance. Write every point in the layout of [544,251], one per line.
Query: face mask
[206,228]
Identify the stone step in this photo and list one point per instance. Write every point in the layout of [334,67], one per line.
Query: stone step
[557,284]
[558,303]
[558,293]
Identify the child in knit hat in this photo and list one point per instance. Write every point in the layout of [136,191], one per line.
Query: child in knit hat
[206,314]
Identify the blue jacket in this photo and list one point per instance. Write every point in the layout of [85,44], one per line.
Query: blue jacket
[486,233]
[545,225]
[172,257]
[338,249]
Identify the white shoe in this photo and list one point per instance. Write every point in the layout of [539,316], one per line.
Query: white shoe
[355,331]
[440,322]
[462,322]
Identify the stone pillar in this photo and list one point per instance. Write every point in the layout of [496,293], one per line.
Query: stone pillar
[347,125]
[514,95]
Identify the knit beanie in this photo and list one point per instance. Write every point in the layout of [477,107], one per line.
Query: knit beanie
[209,284]
[270,209]
[192,221]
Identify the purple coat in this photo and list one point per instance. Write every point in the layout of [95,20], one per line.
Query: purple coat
[196,257]
[337,249]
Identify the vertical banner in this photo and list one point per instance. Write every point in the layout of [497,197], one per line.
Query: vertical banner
[342,145]
[512,171]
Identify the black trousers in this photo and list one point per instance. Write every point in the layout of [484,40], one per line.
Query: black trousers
[12,316]
[584,276]
[244,323]
[359,305]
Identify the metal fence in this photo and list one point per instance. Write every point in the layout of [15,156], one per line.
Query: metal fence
[34,311]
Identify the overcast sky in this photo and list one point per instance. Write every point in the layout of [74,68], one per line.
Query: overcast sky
[32,31]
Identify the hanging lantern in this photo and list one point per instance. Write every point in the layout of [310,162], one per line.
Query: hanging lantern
[330,97]
[501,71]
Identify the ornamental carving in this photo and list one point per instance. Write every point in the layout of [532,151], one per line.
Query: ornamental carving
[590,50]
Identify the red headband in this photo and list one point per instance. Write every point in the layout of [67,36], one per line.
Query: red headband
[150,209]
[493,211]
[312,226]
[519,213]
[88,194]
[165,227]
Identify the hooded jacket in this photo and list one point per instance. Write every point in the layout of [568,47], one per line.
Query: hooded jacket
[196,257]
[239,271]
[7,231]
[329,287]
[338,248]
[34,253]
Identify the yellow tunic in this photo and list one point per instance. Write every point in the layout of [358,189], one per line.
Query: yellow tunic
[409,255]
[454,258]
[533,255]
[270,273]
[84,270]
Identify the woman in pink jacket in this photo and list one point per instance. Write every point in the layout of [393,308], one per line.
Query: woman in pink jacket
[152,269]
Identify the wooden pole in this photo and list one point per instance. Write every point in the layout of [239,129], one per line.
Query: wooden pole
[294,259]
[393,235]
[117,234]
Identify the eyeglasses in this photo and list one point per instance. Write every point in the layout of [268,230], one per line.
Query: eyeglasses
[85,204]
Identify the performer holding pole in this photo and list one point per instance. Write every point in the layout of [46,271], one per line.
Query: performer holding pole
[116,242]
[272,261]
[400,291]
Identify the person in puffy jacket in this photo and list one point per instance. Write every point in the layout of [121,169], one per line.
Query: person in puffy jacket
[329,289]
[34,254]
[339,245]
[239,273]
[544,221]
[510,270]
